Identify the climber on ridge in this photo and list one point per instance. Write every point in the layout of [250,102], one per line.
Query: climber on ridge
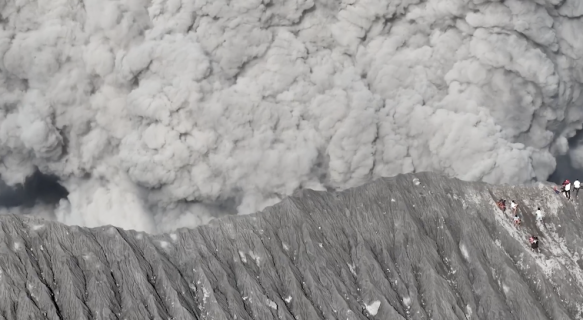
[576,185]
[539,215]
[513,206]
[516,221]
[533,243]
[567,189]
[501,204]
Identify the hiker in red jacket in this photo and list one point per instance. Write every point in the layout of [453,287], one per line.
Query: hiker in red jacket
[502,205]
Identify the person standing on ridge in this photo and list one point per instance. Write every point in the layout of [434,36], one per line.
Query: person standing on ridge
[568,190]
[576,185]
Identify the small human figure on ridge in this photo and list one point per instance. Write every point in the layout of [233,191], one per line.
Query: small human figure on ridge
[513,206]
[516,221]
[539,215]
[576,185]
[567,189]
[502,205]
[533,243]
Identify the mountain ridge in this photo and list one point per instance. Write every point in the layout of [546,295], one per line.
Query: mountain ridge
[414,246]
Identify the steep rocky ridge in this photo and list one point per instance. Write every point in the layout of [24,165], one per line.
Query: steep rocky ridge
[415,246]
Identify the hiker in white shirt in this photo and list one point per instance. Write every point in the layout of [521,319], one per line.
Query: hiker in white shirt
[539,215]
[513,206]
[576,185]
[568,190]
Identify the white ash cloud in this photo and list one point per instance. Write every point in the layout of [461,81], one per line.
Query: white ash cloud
[154,112]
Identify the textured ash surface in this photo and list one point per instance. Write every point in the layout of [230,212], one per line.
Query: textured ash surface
[392,249]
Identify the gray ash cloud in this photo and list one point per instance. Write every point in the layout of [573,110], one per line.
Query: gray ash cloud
[156,112]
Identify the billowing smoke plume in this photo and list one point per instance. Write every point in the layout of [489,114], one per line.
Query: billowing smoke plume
[166,113]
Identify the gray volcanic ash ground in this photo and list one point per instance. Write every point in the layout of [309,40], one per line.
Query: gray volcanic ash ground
[417,246]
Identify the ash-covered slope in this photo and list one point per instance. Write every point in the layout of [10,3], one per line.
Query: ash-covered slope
[411,247]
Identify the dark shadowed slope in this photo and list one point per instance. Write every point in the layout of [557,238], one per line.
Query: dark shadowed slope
[411,247]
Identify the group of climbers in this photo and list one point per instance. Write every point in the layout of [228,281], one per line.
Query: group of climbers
[566,188]
[513,207]
[517,221]
[502,205]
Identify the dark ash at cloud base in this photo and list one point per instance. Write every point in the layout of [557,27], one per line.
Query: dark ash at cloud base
[38,187]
